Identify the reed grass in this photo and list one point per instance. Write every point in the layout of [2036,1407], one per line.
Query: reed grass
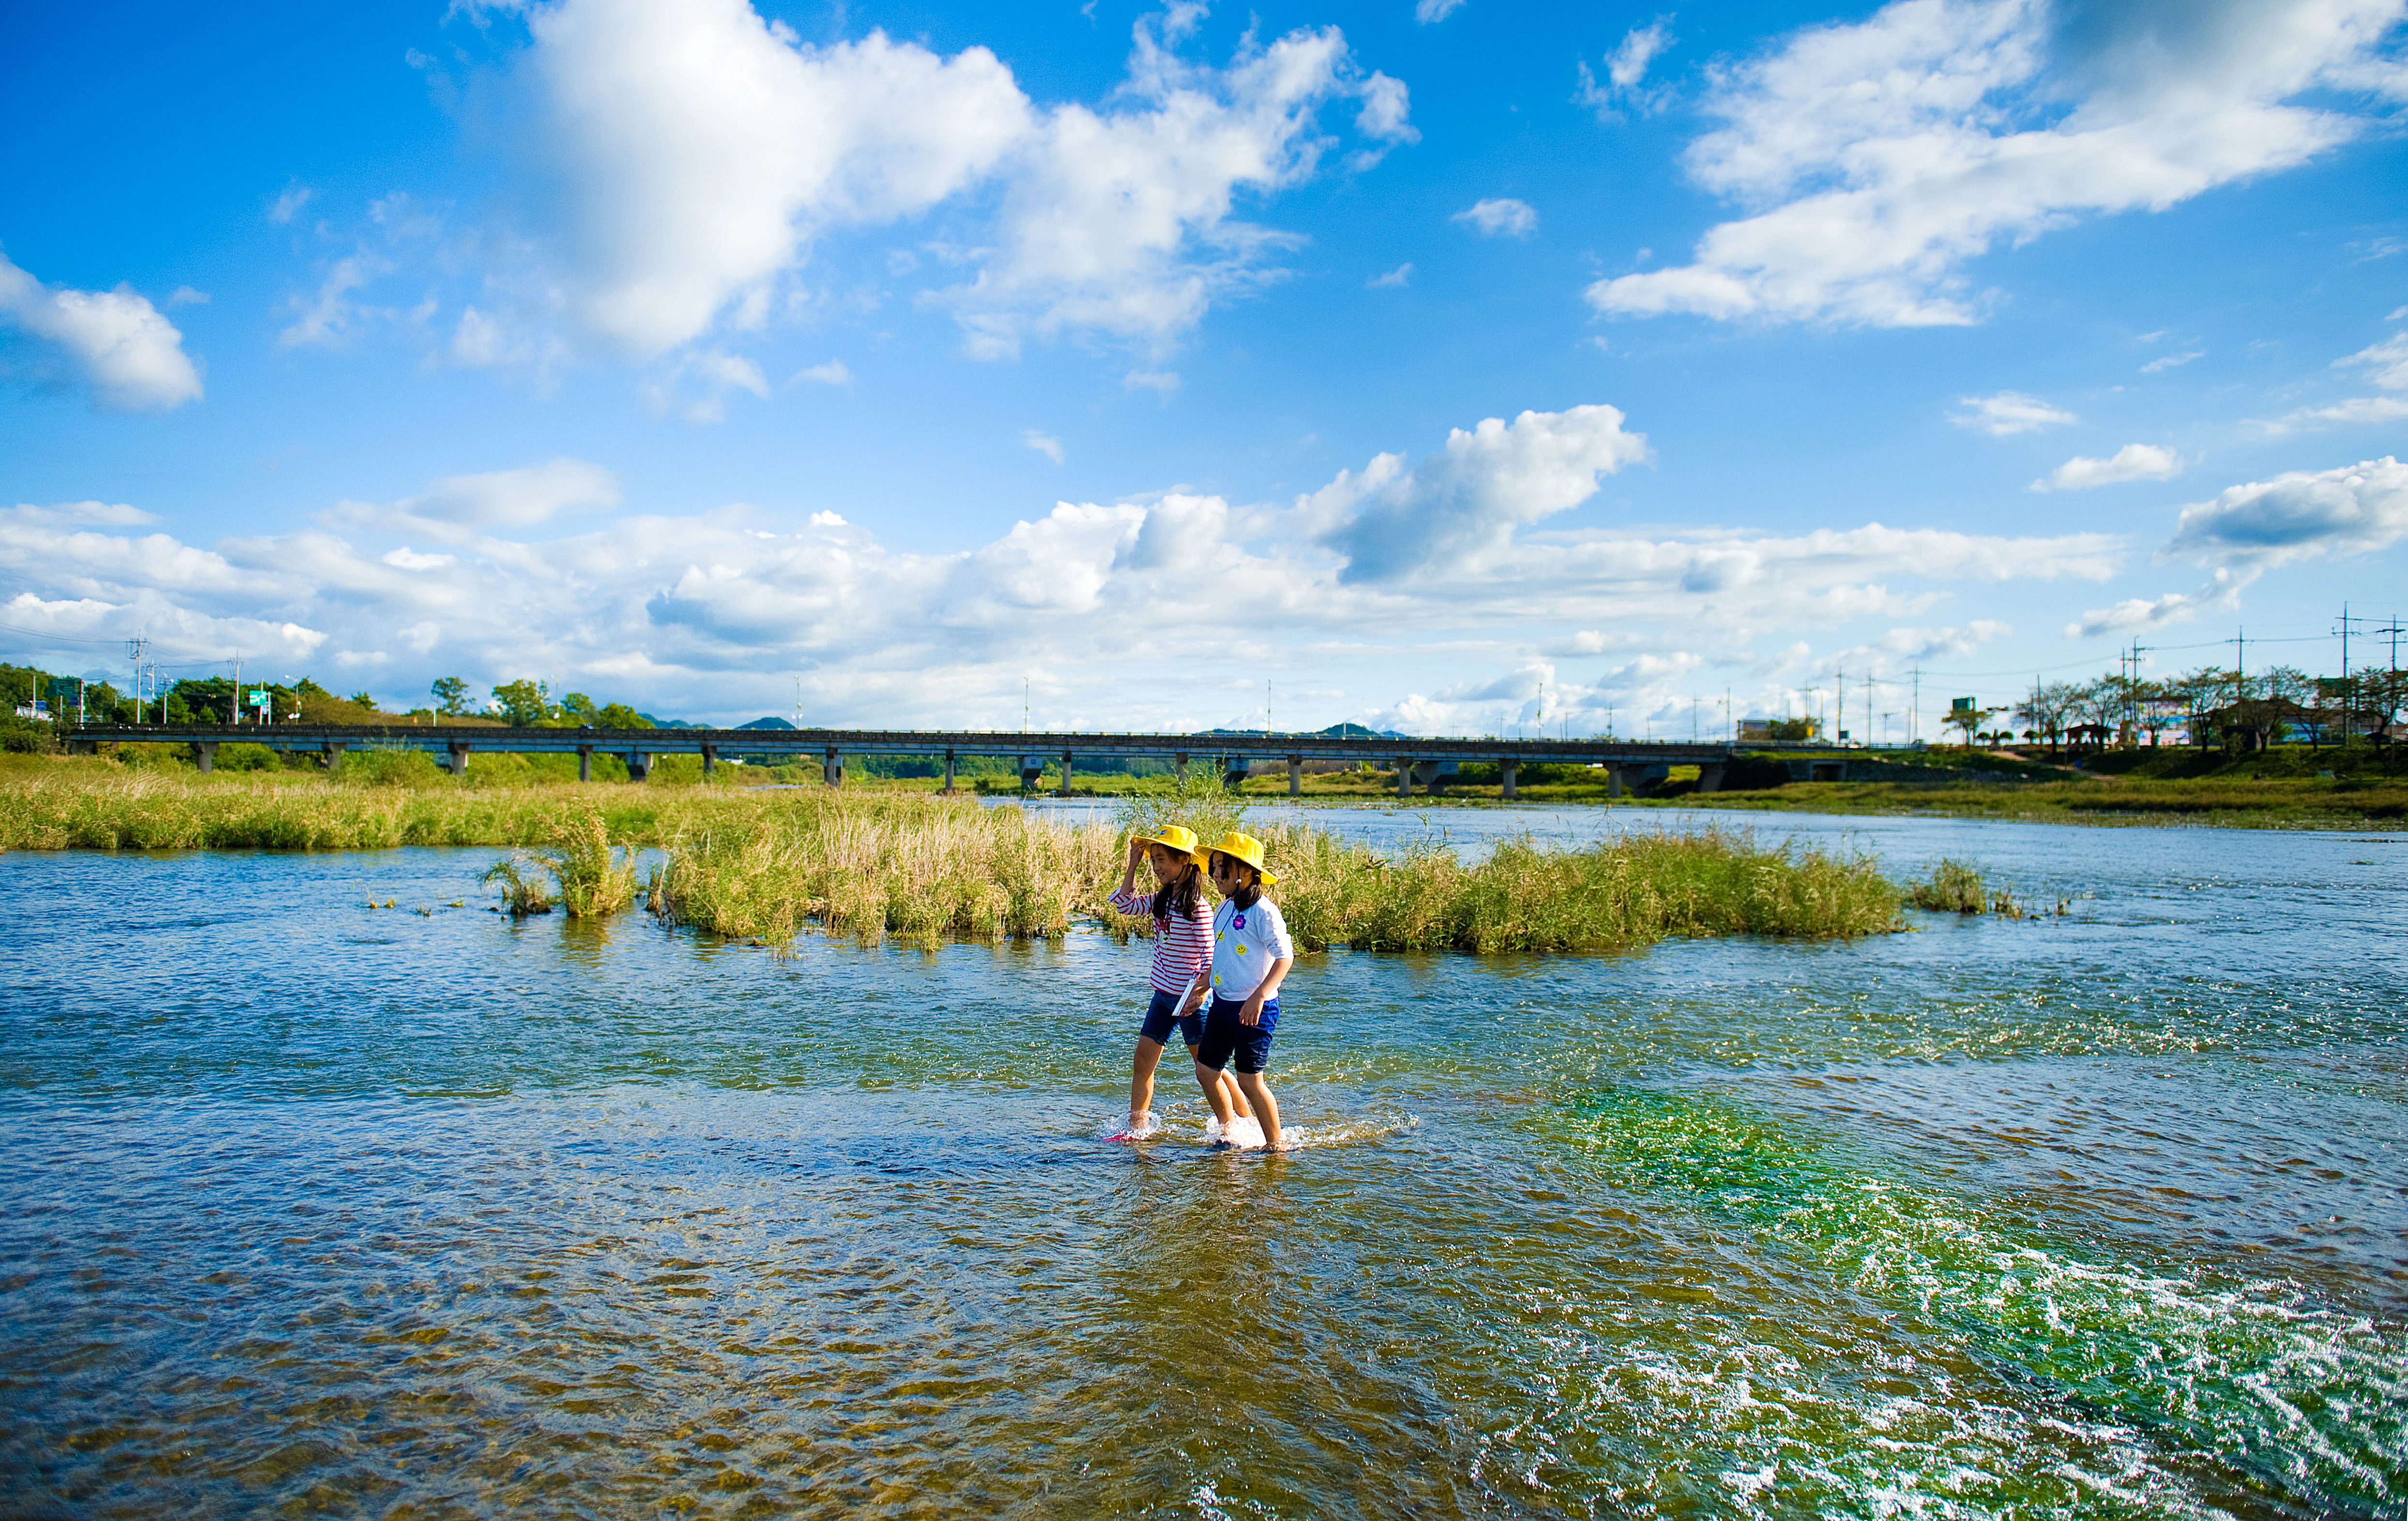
[761,866]
[524,892]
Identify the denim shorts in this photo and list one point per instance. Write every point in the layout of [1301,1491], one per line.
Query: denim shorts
[1223,1037]
[1162,1013]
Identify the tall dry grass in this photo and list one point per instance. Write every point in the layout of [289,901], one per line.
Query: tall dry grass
[762,865]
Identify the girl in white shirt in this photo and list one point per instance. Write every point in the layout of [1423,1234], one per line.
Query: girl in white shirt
[1252,954]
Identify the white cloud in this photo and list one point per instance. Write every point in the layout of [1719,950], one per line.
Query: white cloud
[1880,157]
[2351,509]
[462,507]
[831,373]
[1122,222]
[1625,67]
[290,201]
[2133,462]
[1044,443]
[2354,410]
[2139,614]
[1430,12]
[105,514]
[1394,279]
[1465,502]
[115,342]
[1501,216]
[2159,366]
[1444,567]
[184,295]
[672,171]
[697,385]
[690,152]
[1162,382]
[2387,359]
[2009,412]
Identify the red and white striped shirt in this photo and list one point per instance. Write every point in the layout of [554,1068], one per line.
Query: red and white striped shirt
[1180,946]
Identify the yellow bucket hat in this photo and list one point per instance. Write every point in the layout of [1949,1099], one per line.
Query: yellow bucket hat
[1244,848]
[1177,837]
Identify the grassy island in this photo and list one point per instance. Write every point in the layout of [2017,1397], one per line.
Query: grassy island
[760,863]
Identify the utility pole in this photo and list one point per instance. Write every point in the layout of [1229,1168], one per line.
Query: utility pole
[1914,709]
[137,644]
[1023,705]
[1869,709]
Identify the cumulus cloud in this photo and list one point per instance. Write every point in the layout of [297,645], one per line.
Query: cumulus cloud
[2351,509]
[687,159]
[2009,412]
[831,373]
[1044,443]
[2133,462]
[689,152]
[1467,500]
[1500,217]
[1394,279]
[1443,566]
[1430,12]
[1876,159]
[116,343]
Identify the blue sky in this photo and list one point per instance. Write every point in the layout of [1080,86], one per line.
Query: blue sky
[1451,366]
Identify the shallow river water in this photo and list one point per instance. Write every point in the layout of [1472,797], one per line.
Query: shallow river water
[313,1208]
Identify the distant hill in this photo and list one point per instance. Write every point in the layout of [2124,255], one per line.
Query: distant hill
[767,723]
[1335,731]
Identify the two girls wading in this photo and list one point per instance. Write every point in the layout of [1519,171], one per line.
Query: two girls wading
[1182,952]
[1238,967]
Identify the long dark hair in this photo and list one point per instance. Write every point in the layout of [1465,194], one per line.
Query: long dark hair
[1177,897]
[1250,892]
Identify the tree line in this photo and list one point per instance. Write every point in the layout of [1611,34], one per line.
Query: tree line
[2242,711]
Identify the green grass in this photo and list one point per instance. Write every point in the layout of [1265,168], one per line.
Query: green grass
[761,864]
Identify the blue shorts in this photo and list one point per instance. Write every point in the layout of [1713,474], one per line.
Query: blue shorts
[1223,1037]
[1162,1013]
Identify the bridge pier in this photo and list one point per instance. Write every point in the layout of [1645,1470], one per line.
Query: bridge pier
[1710,775]
[459,749]
[1178,767]
[949,774]
[832,768]
[1404,776]
[1613,781]
[204,754]
[1065,773]
[1505,770]
[584,763]
[1296,776]
[640,764]
[709,761]
[333,750]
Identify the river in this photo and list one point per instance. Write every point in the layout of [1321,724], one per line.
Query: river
[313,1207]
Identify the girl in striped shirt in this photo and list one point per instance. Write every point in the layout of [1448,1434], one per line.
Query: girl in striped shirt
[1183,946]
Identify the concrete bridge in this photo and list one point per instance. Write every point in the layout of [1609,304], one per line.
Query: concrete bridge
[1416,761]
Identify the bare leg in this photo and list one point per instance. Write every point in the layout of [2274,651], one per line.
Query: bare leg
[1216,1093]
[1229,1091]
[1149,1054]
[1266,1107]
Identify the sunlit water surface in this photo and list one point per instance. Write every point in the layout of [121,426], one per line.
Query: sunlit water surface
[310,1206]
